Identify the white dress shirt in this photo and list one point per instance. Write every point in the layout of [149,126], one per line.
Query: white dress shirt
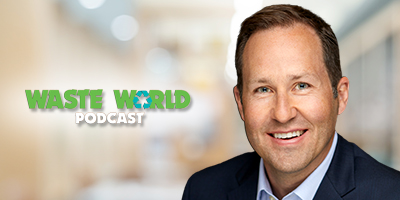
[306,190]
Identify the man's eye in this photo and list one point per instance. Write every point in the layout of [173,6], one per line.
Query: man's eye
[263,89]
[302,86]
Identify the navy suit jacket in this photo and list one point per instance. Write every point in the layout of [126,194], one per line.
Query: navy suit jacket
[352,174]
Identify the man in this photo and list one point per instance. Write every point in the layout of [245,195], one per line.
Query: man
[290,91]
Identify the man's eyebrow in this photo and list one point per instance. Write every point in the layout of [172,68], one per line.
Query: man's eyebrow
[261,80]
[295,77]
[299,76]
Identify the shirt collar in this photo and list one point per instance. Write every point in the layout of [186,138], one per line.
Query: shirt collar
[308,188]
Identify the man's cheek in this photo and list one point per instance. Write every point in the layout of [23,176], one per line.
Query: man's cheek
[255,118]
[315,108]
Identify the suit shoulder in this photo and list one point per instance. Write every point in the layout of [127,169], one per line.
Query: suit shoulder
[227,168]
[369,170]
[216,181]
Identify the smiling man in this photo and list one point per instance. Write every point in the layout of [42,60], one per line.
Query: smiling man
[290,91]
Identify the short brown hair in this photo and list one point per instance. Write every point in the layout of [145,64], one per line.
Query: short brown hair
[285,16]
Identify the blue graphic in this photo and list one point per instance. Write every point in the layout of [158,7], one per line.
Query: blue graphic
[136,99]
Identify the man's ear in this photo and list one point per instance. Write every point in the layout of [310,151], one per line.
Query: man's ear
[238,101]
[343,93]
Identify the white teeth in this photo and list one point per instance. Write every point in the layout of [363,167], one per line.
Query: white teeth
[288,135]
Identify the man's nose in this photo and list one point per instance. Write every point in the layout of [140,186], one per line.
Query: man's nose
[284,110]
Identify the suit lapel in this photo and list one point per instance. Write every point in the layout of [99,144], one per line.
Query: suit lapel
[339,179]
[327,191]
[247,178]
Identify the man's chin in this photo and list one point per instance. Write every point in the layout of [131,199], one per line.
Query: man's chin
[287,166]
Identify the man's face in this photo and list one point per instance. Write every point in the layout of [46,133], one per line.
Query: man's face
[286,93]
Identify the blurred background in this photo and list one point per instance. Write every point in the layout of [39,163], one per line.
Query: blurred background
[169,44]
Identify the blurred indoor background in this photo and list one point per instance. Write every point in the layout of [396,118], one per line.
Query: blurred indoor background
[168,44]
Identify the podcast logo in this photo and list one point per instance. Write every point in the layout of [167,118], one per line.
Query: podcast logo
[154,99]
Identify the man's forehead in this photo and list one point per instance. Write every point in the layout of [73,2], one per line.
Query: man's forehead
[293,51]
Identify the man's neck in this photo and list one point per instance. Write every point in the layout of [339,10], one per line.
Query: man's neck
[282,183]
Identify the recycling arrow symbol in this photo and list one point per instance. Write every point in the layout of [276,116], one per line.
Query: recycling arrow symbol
[136,99]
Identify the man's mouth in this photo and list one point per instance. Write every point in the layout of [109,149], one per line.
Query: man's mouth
[288,135]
